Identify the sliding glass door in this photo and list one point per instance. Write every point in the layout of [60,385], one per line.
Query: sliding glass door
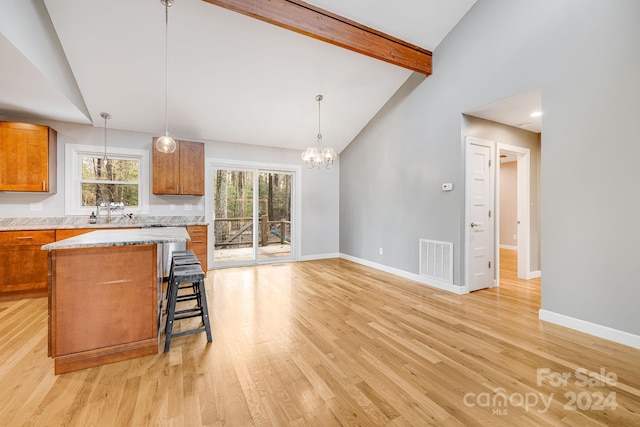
[233,210]
[251,226]
[275,215]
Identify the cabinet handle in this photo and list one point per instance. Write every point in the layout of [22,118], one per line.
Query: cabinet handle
[177,190]
[44,188]
[197,241]
[25,238]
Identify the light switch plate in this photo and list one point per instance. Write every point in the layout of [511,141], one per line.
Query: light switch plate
[447,186]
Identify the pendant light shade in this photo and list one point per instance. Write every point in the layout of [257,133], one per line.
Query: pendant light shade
[166,144]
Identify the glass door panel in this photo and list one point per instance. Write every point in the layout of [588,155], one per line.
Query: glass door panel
[274,216]
[234,217]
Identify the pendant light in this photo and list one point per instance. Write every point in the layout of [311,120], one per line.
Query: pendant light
[319,155]
[103,174]
[165,143]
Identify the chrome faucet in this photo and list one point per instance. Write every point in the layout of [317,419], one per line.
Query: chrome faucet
[108,206]
[101,204]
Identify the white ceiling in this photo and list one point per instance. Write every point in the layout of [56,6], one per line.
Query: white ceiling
[231,78]
[515,111]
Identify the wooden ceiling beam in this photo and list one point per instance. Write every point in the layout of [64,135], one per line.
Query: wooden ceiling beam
[312,21]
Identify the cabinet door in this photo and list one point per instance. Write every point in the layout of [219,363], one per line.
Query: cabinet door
[24,157]
[166,169]
[198,243]
[191,168]
[23,268]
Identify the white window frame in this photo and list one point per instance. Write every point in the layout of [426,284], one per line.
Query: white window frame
[73,175]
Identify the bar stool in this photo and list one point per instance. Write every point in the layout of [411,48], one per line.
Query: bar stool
[194,276]
[180,258]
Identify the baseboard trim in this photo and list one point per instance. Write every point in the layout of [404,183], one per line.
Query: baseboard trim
[594,329]
[511,248]
[459,290]
[534,274]
[318,256]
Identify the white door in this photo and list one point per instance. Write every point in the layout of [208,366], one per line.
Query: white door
[479,218]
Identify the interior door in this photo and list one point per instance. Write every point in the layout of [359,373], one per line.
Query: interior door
[479,218]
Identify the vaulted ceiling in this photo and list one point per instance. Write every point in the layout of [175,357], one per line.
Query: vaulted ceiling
[231,77]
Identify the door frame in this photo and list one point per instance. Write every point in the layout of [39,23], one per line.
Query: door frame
[468,141]
[523,209]
[296,205]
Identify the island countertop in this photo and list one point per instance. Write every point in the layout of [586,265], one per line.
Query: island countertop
[126,237]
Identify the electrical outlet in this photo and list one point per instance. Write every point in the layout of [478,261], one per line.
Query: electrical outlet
[188,206]
[380,251]
[172,207]
[515,237]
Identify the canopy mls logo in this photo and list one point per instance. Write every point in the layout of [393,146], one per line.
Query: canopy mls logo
[591,397]
[499,401]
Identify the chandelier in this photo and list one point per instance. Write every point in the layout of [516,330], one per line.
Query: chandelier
[319,155]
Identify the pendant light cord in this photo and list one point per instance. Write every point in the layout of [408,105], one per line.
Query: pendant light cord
[105,137]
[166,68]
[319,99]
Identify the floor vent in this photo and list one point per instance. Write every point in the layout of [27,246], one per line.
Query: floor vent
[436,260]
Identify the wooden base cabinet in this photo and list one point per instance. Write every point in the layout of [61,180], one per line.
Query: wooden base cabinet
[103,305]
[198,243]
[23,266]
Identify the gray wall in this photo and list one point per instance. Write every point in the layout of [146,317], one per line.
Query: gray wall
[320,195]
[585,56]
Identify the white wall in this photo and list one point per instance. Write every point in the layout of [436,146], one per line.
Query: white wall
[320,196]
[585,57]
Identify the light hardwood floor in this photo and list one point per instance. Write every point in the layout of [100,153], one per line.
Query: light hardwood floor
[333,343]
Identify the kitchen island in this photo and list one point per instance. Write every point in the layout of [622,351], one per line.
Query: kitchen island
[104,295]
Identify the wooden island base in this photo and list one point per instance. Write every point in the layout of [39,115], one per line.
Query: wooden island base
[103,305]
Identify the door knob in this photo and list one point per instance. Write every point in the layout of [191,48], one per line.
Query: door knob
[474,224]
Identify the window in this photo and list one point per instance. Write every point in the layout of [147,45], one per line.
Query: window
[89,181]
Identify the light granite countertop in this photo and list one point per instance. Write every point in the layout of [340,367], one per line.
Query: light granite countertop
[73,222]
[142,236]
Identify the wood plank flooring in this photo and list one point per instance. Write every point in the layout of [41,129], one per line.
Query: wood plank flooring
[333,343]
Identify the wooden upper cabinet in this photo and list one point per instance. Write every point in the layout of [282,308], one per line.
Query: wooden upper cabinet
[28,156]
[166,170]
[180,172]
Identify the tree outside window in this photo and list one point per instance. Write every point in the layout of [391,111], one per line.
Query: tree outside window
[116,180]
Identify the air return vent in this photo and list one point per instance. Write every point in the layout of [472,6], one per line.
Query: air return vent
[436,260]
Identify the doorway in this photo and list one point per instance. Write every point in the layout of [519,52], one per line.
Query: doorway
[518,228]
[483,213]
